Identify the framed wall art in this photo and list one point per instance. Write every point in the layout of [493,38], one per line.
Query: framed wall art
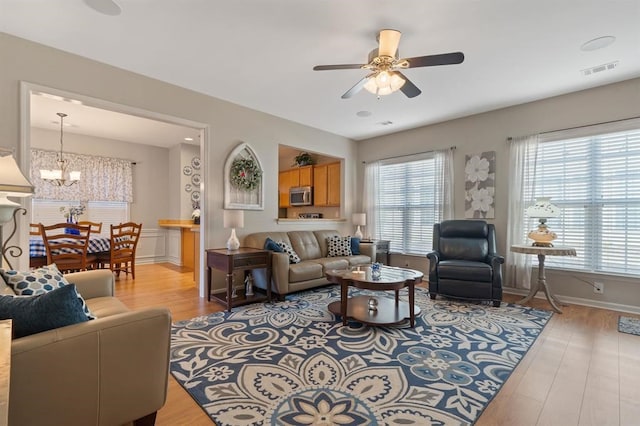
[243,180]
[480,185]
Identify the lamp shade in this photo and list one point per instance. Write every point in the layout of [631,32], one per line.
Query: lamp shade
[384,83]
[12,182]
[359,219]
[543,208]
[233,219]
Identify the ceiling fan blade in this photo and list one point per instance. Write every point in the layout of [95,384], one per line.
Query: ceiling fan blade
[388,40]
[408,88]
[106,7]
[338,67]
[357,87]
[433,60]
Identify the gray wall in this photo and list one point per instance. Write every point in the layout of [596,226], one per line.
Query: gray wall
[489,132]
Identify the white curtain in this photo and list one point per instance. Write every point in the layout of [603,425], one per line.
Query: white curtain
[522,172]
[370,197]
[444,181]
[102,178]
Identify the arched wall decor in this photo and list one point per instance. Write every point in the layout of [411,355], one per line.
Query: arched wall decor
[243,180]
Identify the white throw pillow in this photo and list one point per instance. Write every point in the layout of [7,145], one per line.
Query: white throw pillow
[293,256]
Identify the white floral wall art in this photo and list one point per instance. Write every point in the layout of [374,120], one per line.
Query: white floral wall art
[480,186]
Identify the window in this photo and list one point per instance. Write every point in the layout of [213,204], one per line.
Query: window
[107,212]
[411,194]
[595,180]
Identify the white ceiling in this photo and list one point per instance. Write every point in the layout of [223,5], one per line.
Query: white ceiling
[260,54]
[88,120]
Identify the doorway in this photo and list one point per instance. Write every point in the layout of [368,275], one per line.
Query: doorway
[121,127]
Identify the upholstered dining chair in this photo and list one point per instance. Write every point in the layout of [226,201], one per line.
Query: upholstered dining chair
[464,263]
[122,251]
[96,227]
[68,251]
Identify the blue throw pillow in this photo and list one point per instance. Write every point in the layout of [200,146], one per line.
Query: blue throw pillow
[35,314]
[269,244]
[38,281]
[355,245]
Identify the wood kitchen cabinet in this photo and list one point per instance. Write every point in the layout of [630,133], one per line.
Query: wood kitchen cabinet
[300,176]
[284,183]
[306,176]
[326,185]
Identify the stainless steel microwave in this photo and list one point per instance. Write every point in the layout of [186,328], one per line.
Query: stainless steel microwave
[301,196]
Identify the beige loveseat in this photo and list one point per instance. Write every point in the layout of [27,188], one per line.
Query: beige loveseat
[311,246]
[109,371]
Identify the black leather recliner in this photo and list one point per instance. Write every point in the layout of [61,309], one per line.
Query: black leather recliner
[464,263]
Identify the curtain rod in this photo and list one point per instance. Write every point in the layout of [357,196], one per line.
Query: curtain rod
[409,155]
[586,125]
[133,163]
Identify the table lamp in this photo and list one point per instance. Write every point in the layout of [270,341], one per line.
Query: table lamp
[542,209]
[359,219]
[233,219]
[12,184]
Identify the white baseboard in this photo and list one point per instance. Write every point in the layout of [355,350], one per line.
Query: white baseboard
[630,309]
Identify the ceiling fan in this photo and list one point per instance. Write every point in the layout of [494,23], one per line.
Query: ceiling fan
[384,65]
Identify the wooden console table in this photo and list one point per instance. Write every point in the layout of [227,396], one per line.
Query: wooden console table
[541,283]
[228,261]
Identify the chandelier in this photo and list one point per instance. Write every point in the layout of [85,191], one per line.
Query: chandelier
[58,177]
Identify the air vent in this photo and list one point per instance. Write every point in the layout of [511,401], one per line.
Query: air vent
[600,68]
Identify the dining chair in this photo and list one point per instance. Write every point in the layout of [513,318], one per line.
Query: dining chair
[68,251]
[34,229]
[122,251]
[96,227]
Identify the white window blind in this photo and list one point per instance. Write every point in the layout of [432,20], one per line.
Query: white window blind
[407,203]
[595,180]
[107,212]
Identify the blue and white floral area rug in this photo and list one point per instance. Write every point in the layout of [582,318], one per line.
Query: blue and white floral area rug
[293,363]
[629,325]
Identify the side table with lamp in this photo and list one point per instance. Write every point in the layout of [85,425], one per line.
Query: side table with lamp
[543,246]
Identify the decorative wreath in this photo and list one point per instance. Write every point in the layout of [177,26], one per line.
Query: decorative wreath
[245,174]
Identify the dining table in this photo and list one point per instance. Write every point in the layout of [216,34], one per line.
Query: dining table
[38,252]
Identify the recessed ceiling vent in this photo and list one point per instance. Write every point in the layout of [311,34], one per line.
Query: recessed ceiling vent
[600,68]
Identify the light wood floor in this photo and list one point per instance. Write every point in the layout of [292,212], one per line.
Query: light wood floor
[580,371]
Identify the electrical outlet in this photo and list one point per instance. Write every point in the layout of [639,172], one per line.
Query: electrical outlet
[598,287]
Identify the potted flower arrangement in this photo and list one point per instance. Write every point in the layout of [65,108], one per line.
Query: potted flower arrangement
[71,214]
[303,159]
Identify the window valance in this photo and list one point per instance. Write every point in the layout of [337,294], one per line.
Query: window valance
[103,178]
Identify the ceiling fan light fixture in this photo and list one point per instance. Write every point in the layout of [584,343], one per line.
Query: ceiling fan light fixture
[384,83]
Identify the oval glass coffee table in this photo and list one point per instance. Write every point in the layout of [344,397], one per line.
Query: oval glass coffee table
[375,310]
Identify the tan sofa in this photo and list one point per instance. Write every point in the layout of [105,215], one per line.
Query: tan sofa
[311,246]
[109,371]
